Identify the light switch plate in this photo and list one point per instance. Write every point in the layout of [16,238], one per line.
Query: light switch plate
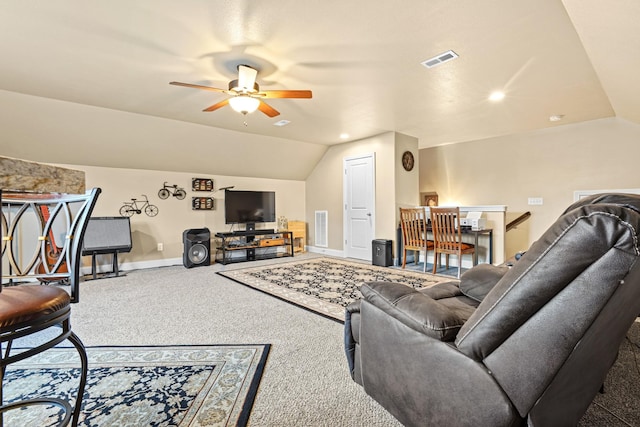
[535,200]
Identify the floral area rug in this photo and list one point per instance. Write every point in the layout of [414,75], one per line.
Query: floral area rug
[141,386]
[324,285]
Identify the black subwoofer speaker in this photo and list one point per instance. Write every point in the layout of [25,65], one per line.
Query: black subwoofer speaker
[197,247]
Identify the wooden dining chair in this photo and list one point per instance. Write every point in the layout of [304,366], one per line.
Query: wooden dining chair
[447,236]
[414,234]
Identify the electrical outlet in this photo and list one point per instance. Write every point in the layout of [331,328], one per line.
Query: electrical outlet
[160,247]
[535,200]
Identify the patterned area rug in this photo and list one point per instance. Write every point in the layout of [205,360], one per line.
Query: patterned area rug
[324,285]
[142,386]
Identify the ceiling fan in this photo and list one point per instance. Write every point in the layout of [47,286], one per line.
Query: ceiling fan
[246,96]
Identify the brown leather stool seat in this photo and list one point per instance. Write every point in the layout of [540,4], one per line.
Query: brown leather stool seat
[20,304]
[26,310]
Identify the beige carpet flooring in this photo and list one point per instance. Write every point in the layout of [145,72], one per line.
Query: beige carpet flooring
[306,381]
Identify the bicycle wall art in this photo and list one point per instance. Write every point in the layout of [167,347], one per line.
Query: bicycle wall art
[171,190]
[137,206]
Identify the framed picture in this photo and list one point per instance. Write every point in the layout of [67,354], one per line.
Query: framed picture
[429,198]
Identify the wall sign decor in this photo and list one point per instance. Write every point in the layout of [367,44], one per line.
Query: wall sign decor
[203,203]
[201,184]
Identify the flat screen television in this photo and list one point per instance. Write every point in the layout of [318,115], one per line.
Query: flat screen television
[249,207]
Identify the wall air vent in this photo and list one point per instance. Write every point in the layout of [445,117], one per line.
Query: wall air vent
[440,59]
[322,229]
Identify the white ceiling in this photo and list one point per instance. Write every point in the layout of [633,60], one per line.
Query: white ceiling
[361,59]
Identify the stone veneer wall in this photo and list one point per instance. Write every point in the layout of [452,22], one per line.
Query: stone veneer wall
[21,175]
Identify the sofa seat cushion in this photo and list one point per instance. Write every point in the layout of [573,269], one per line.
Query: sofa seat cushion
[438,311]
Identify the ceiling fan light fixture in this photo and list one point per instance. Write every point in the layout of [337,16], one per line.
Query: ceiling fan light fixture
[245,96]
[235,86]
[244,104]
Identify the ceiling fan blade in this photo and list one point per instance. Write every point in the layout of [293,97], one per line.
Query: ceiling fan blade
[213,89]
[286,93]
[246,77]
[218,105]
[268,109]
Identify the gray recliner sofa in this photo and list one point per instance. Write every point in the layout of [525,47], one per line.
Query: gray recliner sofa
[526,345]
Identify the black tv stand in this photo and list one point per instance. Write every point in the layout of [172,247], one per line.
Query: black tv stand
[253,232]
[246,233]
[252,245]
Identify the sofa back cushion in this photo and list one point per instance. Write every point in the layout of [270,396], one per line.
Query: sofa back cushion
[529,323]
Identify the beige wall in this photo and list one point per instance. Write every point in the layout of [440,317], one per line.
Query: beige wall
[393,186]
[325,185]
[407,183]
[321,191]
[552,164]
[175,216]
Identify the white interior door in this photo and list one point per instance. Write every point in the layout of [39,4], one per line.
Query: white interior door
[359,206]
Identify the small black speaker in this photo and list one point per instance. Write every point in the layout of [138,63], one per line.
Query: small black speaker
[197,247]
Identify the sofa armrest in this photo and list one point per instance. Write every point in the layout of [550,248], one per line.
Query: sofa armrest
[352,334]
[477,282]
[414,309]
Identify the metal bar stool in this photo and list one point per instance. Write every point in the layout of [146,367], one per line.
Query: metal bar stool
[28,309]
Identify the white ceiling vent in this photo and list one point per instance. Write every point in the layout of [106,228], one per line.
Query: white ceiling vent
[440,59]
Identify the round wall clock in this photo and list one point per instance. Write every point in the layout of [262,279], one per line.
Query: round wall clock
[407,160]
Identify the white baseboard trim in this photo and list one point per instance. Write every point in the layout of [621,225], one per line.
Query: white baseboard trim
[325,251]
[130,266]
[139,265]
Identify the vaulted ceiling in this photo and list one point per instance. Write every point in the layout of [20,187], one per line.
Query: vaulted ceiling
[578,59]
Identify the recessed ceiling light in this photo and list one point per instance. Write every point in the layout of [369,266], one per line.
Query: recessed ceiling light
[282,123]
[556,117]
[344,135]
[496,96]
[440,59]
